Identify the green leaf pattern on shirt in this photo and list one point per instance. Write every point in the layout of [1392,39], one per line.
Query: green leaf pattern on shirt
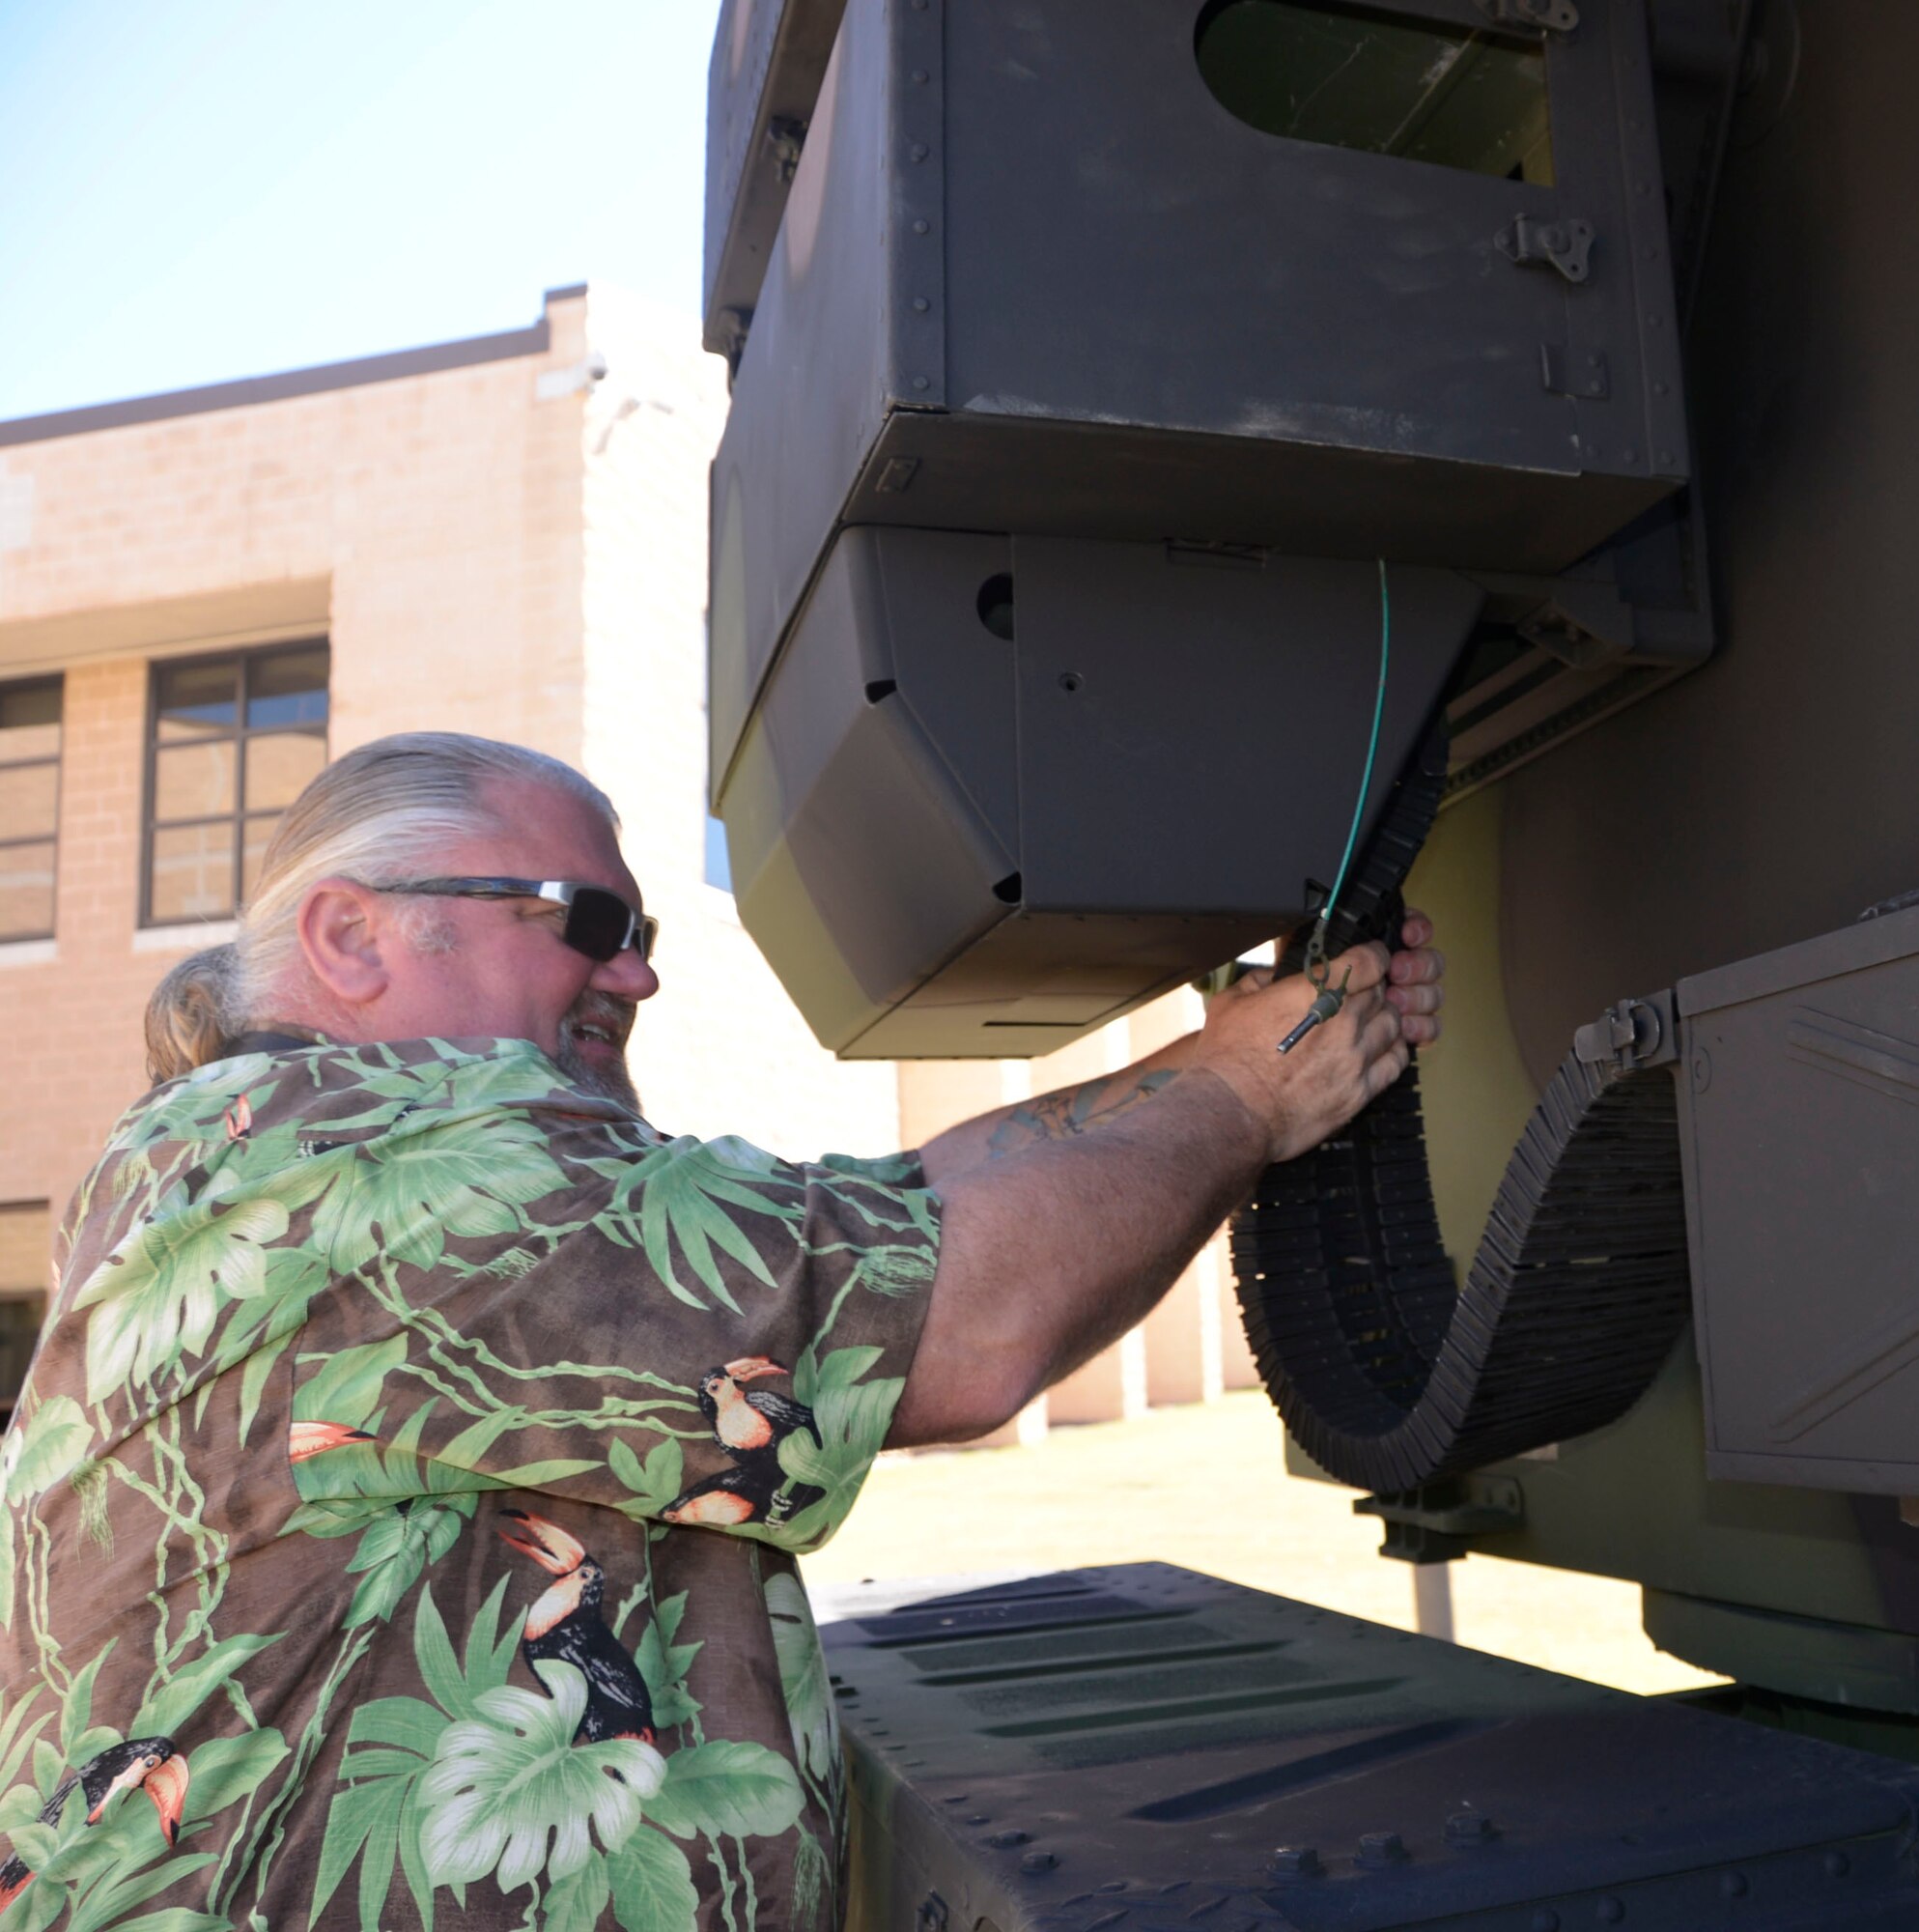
[332,1518]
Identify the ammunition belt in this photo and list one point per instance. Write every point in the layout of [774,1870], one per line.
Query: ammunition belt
[1386,1375]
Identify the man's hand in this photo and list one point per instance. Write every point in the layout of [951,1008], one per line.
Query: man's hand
[1392,1006]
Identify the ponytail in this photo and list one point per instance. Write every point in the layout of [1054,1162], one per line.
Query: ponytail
[189,1015]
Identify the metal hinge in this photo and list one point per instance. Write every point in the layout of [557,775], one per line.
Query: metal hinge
[1634,1033]
[1566,244]
[1552,16]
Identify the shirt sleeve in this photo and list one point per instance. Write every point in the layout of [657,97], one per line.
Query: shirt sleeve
[693,1332]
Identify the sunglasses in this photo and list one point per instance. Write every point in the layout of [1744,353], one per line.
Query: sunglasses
[599,923]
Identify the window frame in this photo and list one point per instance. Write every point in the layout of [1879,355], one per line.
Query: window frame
[43,681]
[243,660]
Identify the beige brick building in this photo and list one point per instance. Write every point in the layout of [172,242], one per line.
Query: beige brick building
[204,594]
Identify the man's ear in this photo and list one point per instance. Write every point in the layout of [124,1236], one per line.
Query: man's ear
[344,929]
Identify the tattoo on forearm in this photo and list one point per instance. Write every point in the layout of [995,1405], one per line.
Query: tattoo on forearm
[1073,1110]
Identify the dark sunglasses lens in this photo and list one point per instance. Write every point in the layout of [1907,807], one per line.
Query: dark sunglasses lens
[597,923]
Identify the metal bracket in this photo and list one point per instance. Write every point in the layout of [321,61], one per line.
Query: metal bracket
[786,137]
[1551,16]
[1634,1033]
[1566,244]
[1440,1520]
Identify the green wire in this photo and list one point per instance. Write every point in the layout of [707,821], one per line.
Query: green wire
[1371,751]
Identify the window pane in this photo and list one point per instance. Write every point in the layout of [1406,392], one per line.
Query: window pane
[194,699]
[29,722]
[26,891]
[29,795]
[193,781]
[278,767]
[192,873]
[1359,77]
[288,689]
[254,835]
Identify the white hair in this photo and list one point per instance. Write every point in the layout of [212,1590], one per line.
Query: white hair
[378,814]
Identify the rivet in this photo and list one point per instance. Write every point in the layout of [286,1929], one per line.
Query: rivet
[1835,1864]
[1295,1862]
[1630,455]
[1004,1840]
[1733,1885]
[1642,187]
[1468,1828]
[1655,321]
[1659,388]
[920,304]
[1609,1911]
[1038,1861]
[1666,457]
[920,383]
[979,1818]
[920,77]
[920,150]
[921,226]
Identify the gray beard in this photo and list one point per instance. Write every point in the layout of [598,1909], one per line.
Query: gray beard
[609,1083]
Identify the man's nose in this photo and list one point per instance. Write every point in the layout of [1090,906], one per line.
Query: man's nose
[627,975]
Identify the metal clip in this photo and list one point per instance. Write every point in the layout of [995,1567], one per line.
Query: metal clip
[1634,1033]
[1566,244]
[1551,16]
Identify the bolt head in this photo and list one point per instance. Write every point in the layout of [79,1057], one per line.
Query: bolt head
[1296,1861]
[1381,1848]
[1468,1828]
[1038,1861]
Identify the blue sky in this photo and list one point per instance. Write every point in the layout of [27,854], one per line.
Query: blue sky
[201,189]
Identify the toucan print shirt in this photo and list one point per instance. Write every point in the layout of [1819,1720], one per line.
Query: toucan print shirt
[402,1507]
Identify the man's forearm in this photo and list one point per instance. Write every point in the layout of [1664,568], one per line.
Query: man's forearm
[1060,1115]
[1057,1249]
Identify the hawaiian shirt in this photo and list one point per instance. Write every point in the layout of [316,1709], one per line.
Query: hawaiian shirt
[402,1507]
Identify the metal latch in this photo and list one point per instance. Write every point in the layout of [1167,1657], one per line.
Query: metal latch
[1552,16]
[1634,1033]
[1566,244]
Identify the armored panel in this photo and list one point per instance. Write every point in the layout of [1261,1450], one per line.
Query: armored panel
[1800,1109]
[1086,267]
[999,789]
[768,60]
[1140,1749]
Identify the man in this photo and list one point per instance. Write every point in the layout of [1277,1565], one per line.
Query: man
[404,1496]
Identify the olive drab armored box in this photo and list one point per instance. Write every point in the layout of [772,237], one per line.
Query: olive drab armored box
[1202,309]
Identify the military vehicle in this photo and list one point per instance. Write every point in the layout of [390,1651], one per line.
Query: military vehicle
[1177,445]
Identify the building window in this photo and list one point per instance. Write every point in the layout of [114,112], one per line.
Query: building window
[233,739]
[26,1259]
[29,805]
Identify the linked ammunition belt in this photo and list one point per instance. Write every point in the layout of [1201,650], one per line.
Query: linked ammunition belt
[1390,1377]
